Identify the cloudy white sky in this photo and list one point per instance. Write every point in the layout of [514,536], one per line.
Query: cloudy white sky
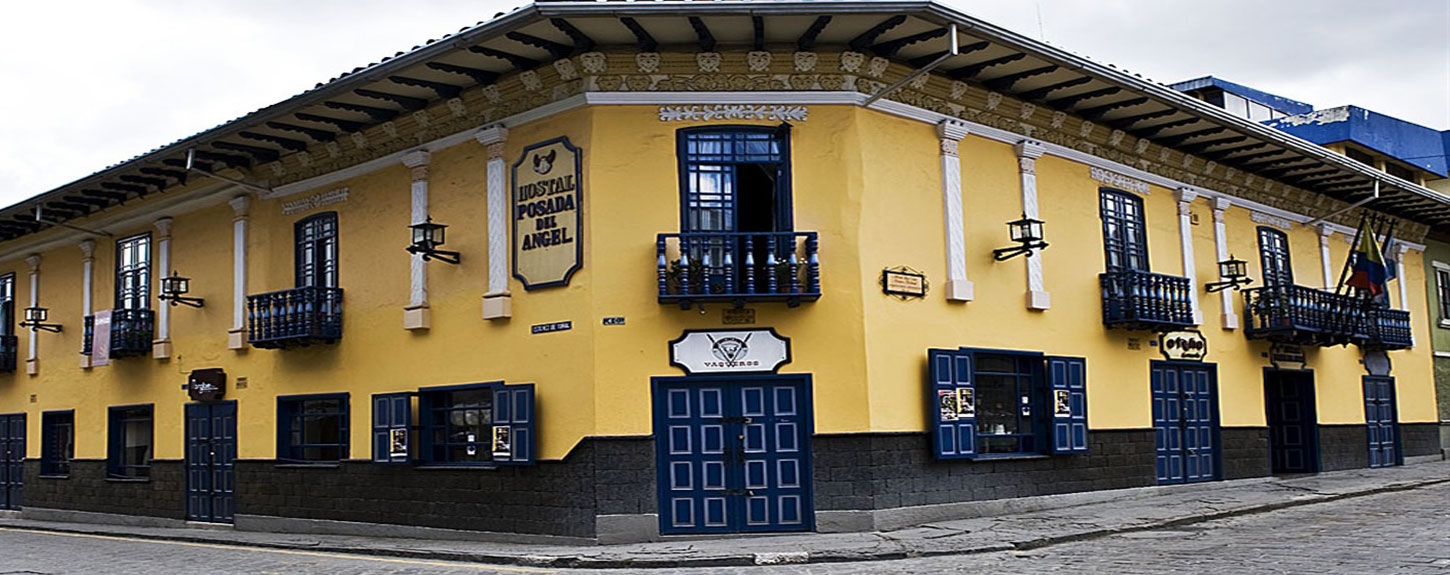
[88,84]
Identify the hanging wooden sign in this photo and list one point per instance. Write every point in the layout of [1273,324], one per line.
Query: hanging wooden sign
[548,196]
[1187,345]
[207,384]
[730,351]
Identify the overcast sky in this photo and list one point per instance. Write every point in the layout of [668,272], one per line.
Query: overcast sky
[88,84]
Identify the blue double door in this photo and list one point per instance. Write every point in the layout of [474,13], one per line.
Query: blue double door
[1185,421]
[1382,419]
[12,460]
[733,454]
[211,454]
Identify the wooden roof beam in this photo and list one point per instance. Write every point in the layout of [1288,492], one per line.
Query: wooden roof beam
[408,103]
[929,58]
[287,143]
[1175,141]
[1005,82]
[1128,121]
[1097,112]
[477,74]
[520,62]
[863,41]
[314,133]
[643,39]
[441,89]
[1067,102]
[259,153]
[1202,146]
[889,48]
[1226,152]
[702,34]
[582,42]
[970,71]
[377,114]
[554,49]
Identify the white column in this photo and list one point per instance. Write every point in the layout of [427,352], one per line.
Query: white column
[958,288]
[1027,153]
[415,315]
[1400,277]
[497,302]
[1230,316]
[88,274]
[237,335]
[1185,241]
[1325,232]
[161,347]
[32,360]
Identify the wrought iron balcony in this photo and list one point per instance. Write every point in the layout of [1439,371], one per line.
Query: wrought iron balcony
[9,353]
[1146,301]
[294,317]
[738,267]
[1307,316]
[132,332]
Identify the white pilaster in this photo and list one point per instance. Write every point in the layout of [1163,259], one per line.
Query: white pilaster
[32,359]
[1185,241]
[88,275]
[1230,317]
[1325,233]
[415,315]
[958,288]
[1027,153]
[497,302]
[161,347]
[1400,277]
[237,335]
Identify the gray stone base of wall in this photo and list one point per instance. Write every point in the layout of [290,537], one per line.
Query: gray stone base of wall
[73,516]
[272,524]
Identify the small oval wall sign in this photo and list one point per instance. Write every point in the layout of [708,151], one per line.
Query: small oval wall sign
[1187,345]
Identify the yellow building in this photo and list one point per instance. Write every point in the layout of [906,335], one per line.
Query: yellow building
[708,267]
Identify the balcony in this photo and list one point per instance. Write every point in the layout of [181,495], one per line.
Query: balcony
[294,317]
[132,331]
[1306,316]
[9,352]
[738,268]
[1142,300]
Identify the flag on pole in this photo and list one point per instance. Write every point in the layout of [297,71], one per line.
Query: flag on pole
[1368,271]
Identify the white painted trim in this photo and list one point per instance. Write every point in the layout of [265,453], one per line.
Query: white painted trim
[1028,151]
[33,260]
[1439,265]
[88,273]
[495,139]
[1185,243]
[417,162]
[161,270]
[1326,258]
[1229,317]
[1442,354]
[950,133]
[1400,277]
[240,207]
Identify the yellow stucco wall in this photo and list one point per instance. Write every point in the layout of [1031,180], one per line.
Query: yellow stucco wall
[868,182]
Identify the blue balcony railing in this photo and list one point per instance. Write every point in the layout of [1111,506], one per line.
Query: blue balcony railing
[132,332]
[1388,329]
[1307,316]
[1142,300]
[700,267]
[294,317]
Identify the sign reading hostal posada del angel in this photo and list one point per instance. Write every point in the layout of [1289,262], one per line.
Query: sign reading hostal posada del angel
[548,195]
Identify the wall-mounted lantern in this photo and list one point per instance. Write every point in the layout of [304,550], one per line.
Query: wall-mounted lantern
[1234,272]
[35,319]
[1027,232]
[174,290]
[427,236]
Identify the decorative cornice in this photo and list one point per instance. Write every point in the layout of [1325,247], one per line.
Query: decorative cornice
[773,113]
[88,249]
[1271,220]
[163,226]
[314,201]
[951,130]
[241,206]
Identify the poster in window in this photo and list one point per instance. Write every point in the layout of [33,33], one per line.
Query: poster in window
[1061,403]
[547,199]
[947,401]
[966,402]
[503,445]
[397,443]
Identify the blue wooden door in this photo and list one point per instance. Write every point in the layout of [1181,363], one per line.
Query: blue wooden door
[1382,419]
[12,460]
[1185,422]
[733,455]
[211,453]
[1293,429]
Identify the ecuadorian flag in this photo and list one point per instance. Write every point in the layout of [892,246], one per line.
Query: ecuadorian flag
[1369,272]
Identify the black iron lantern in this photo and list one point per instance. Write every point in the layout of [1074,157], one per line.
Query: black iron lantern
[35,320]
[1027,232]
[1234,273]
[427,236]
[174,289]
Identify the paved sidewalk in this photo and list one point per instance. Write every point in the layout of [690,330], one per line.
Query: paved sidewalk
[1142,510]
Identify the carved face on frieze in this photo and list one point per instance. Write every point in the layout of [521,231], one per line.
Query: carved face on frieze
[805,61]
[594,62]
[851,61]
[708,61]
[649,62]
[758,60]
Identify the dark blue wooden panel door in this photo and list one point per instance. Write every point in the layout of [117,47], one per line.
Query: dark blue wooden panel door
[12,460]
[211,453]
[1289,400]
[1382,419]
[1185,423]
[734,455]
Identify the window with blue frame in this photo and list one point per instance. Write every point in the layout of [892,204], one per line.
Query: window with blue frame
[315,252]
[1125,236]
[1274,257]
[482,424]
[312,428]
[735,179]
[987,403]
[129,453]
[57,442]
[133,272]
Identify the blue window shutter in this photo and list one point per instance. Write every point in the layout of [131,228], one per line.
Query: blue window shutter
[513,409]
[1067,379]
[391,411]
[113,455]
[954,430]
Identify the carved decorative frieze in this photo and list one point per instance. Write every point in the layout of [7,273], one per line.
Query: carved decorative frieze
[336,196]
[697,113]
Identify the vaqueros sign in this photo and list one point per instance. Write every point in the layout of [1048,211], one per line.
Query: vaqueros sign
[1183,345]
[547,197]
[730,351]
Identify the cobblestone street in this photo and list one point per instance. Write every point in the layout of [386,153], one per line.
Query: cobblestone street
[1401,532]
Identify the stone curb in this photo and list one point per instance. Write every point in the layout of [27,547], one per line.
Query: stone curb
[742,559]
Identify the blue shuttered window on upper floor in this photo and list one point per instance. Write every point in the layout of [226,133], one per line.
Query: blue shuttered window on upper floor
[992,403]
[481,424]
[392,427]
